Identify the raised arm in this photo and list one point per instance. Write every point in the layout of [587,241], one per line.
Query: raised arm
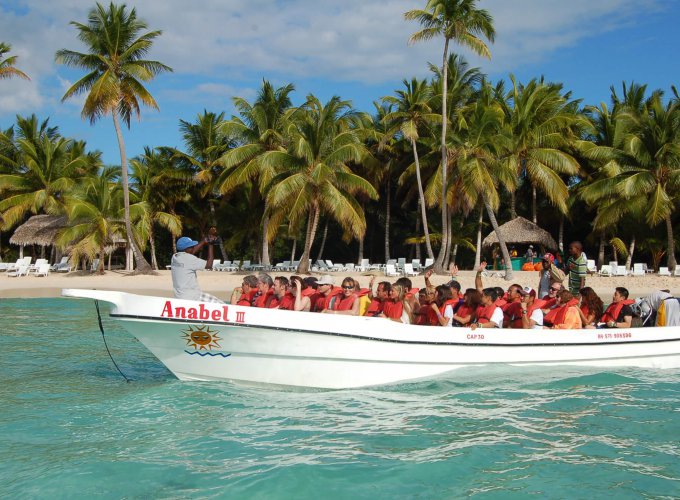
[478,277]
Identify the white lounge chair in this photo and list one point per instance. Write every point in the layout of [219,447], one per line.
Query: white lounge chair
[605,270]
[417,266]
[320,267]
[43,269]
[620,271]
[428,262]
[216,264]
[591,267]
[20,271]
[363,266]
[400,264]
[663,271]
[390,270]
[409,271]
[676,272]
[61,263]
[34,267]
[349,267]
[638,270]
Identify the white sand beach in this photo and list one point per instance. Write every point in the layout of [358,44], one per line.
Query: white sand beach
[221,284]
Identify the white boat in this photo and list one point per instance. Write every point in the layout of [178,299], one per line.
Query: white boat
[207,341]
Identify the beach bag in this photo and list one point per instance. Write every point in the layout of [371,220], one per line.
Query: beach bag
[556,274]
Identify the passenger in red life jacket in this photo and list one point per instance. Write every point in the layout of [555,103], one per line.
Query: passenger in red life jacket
[531,314]
[443,305]
[425,315]
[345,303]
[512,312]
[265,295]
[245,294]
[284,298]
[550,304]
[566,315]
[619,313]
[489,315]
[327,291]
[591,308]
[297,288]
[397,308]
[410,293]
[479,285]
[311,290]
[467,312]
[382,293]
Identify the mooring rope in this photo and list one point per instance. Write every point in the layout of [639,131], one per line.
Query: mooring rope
[101,328]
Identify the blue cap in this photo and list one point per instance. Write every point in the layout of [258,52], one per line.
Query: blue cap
[183,243]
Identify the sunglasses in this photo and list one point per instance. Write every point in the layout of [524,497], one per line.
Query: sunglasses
[554,289]
[348,288]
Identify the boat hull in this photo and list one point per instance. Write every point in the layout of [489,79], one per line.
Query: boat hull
[213,342]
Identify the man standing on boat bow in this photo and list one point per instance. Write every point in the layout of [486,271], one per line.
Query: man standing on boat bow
[185,264]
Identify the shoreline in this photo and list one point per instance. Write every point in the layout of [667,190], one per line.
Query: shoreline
[221,284]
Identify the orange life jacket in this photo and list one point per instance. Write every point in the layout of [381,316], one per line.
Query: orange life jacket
[393,310]
[246,299]
[287,302]
[342,303]
[561,312]
[484,313]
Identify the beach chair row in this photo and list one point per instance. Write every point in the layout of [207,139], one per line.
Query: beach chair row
[23,267]
[640,269]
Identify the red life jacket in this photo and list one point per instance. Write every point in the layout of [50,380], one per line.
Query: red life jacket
[393,310]
[375,308]
[512,314]
[450,302]
[501,302]
[342,303]
[426,316]
[324,301]
[246,299]
[484,313]
[561,312]
[287,302]
[466,310]
[612,312]
[265,300]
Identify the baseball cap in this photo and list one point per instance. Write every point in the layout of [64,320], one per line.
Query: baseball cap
[549,257]
[183,243]
[527,290]
[325,279]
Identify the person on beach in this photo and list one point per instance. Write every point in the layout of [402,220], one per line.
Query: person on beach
[184,266]
[530,255]
[577,267]
[548,276]
[245,294]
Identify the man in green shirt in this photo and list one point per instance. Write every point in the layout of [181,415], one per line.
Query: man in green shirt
[577,267]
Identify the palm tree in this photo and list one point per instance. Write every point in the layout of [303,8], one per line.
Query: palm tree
[462,22]
[95,213]
[314,176]
[115,68]
[44,168]
[541,120]
[7,68]
[151,178]
[261,127]
[411,113]
[479,151]
[205,143]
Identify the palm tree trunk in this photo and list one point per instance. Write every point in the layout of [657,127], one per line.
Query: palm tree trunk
[671,244]
[312,222]
[143,266]
[100,265]
[152,245]
[600,253]
[439,264]
[449,238]
[421,196]
[213,222]
[560,235]
[360,257]
[418,252]
[501,241]
[265,240]
[323,241]
[533,204]
[108,261]
[478,251]
[388,203]
[513,205]
[292,252]
[631,249]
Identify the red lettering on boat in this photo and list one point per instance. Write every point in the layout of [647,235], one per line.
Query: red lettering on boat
[240,316]
[193,313]
[225,313]
[167,310]
[203,313]
[216,315]
[180,312]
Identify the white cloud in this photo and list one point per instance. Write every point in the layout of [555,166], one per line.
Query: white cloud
[360,40]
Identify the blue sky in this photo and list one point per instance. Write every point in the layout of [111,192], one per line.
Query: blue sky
[356,49]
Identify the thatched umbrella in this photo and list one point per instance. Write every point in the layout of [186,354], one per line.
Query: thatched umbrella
[38,230]
[522,231]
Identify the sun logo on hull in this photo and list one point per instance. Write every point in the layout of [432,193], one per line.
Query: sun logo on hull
[201,337]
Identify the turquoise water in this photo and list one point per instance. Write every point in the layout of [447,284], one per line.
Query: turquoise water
[71,427]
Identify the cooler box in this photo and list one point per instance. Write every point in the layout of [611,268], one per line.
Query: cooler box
[517,263]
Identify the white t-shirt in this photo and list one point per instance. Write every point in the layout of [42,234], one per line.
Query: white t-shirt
[183,268]
[537,316]
[497,317]
[448,314]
